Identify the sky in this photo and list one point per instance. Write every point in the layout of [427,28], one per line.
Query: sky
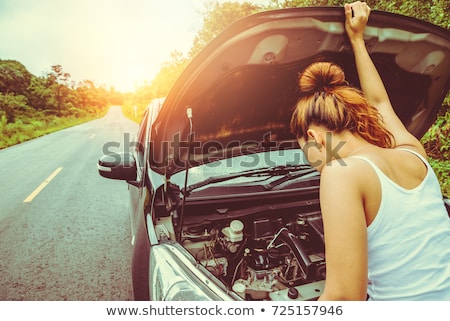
[118,43]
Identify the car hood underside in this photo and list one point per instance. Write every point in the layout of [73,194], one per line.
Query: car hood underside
[242,87]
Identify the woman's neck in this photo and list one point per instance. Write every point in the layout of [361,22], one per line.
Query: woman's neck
[346,144]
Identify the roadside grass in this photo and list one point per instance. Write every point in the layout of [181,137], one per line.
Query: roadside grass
[26,128]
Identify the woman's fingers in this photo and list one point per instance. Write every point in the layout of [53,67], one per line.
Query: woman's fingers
[357,14]
[360,9]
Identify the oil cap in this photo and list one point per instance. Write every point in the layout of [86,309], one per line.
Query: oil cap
[292,293]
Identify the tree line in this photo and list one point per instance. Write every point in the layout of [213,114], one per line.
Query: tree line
[24,95]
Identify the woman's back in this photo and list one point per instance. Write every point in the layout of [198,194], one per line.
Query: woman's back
[409,234]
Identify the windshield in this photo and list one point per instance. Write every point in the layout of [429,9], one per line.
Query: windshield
[244,164]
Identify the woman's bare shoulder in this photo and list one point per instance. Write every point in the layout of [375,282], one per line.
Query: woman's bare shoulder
[344,170]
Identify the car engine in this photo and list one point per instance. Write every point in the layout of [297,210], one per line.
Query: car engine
[263,258]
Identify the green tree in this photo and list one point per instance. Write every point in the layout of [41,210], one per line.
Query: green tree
[38,93]
[216,17]
[168,74]
[11,104]
[434,11]
[14,77]
[58,80]
[89,98]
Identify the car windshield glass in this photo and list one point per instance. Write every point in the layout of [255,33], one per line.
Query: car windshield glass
[286,171]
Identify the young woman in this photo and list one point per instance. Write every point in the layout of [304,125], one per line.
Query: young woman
[387,232]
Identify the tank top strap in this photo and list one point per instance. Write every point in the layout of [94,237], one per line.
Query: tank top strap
[385,179]
[423,159]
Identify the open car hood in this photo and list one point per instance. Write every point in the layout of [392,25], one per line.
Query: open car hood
[242,87]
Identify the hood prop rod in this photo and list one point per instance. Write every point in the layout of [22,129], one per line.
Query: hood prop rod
[180,222]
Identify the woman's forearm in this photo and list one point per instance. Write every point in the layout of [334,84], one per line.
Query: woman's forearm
[356,18]
[370,80]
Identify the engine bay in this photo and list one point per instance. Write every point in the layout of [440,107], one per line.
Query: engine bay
[262,257]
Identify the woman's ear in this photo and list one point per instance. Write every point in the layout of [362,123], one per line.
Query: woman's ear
[313,134]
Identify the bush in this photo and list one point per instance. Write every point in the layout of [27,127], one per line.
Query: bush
[437,144]
[77,112]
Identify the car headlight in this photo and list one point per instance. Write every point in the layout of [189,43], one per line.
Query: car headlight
[174,276]
[182,290]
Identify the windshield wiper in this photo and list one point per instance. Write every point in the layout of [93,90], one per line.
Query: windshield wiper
[288,177]
[285,170]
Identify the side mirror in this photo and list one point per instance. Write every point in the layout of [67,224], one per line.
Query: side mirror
[120,166]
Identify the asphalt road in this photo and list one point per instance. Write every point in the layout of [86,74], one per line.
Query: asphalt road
[64,230]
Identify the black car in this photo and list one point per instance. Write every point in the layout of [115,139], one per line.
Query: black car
[224,205]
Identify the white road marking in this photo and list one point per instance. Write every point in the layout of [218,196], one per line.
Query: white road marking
[92,136]
[42,186]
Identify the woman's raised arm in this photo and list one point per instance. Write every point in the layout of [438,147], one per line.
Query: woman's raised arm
[356,17]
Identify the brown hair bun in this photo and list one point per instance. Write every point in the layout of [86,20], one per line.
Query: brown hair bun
[321,76]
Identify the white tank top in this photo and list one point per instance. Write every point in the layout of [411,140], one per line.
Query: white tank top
[409,241]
